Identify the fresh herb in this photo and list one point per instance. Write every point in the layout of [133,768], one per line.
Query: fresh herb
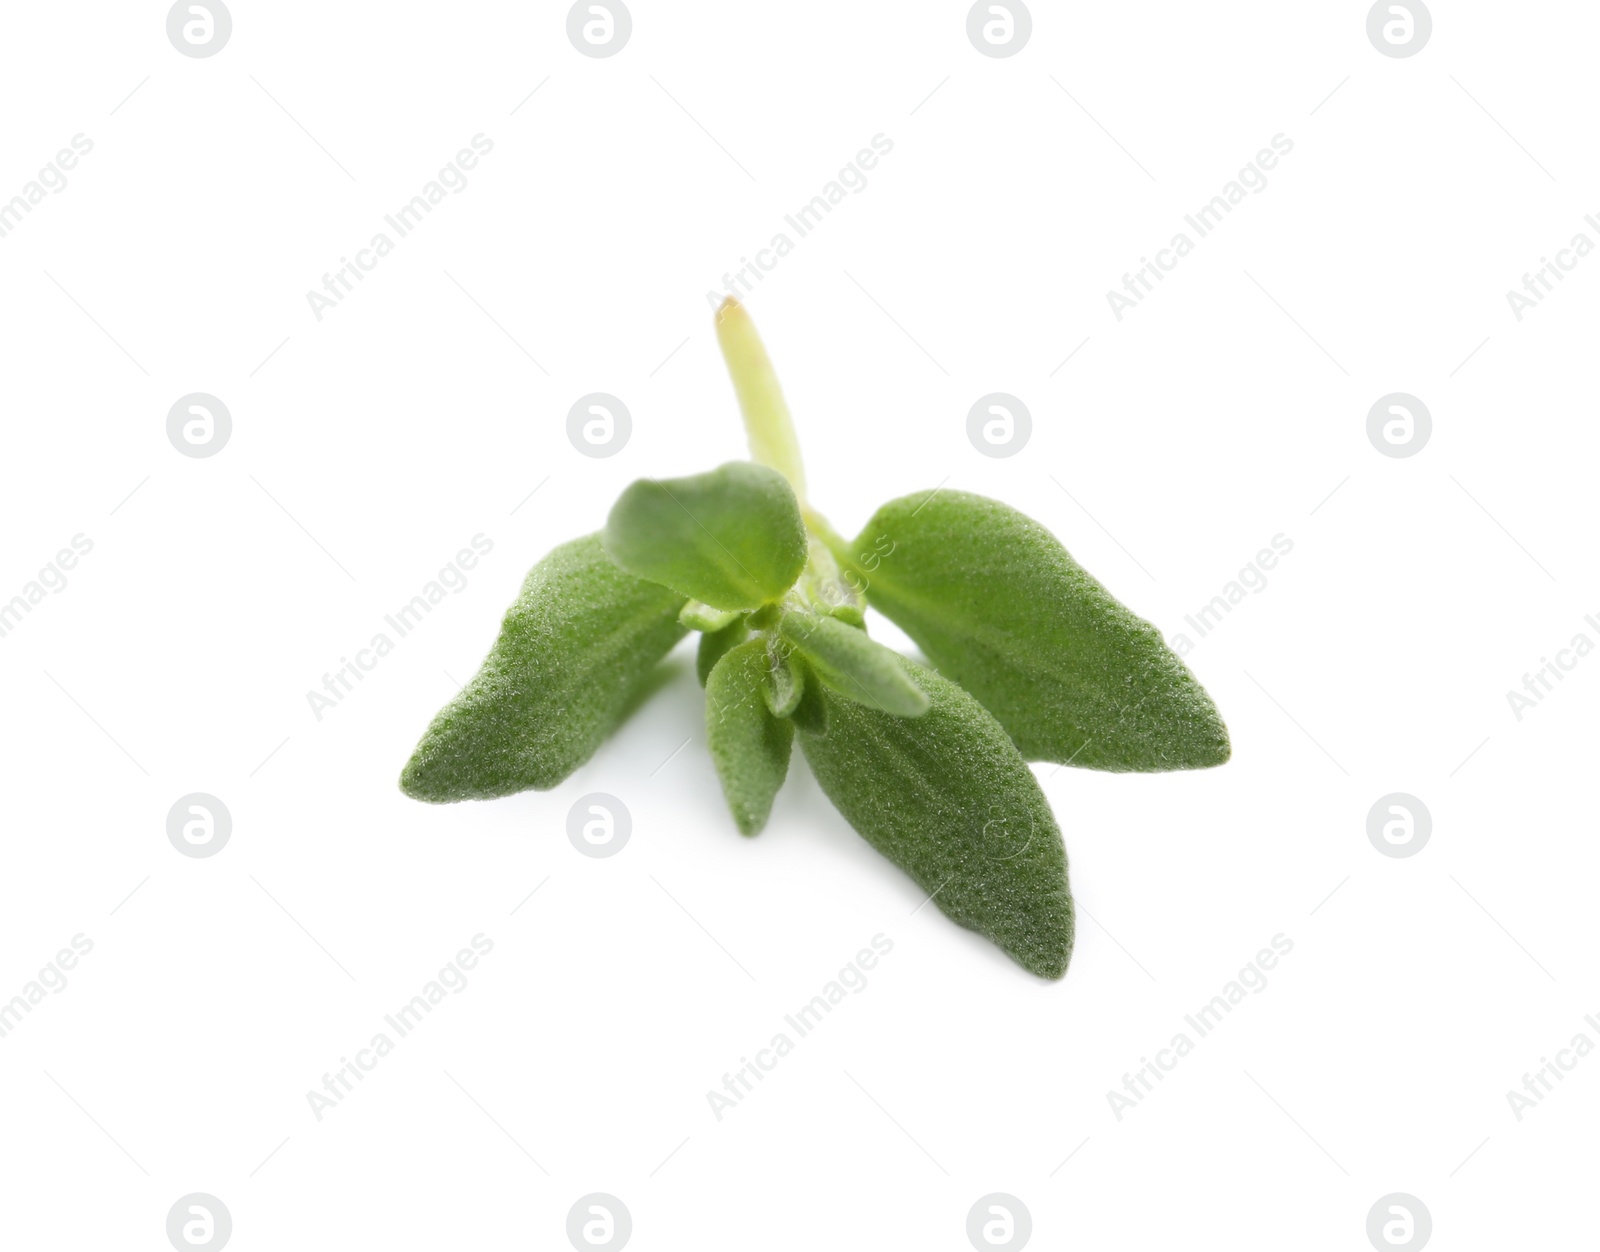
[1035,661]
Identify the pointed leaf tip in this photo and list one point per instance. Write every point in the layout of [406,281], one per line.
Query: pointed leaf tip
[949,800]
[749,746]
[999,606]
[854,665]
[576,648]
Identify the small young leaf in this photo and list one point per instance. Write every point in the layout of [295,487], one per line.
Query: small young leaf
[702,617]
[575,648]
[948,798]
[765,618]
[852,664]
[828,589]
[999,606]
[749,746]
[787,687]
[714,643]
[811,713]
[731,538]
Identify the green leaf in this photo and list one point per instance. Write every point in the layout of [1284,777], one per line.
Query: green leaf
[788,685]
[731,538]
[811,713]
[998,605]
[575,649]
[828,590]
[716,642]
[948,798]
[749,746]
[702,617]
[852,664]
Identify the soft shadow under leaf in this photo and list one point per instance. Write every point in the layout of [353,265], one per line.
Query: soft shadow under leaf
[577,650]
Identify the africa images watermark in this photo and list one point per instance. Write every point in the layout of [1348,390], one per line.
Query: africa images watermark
[802,1022]
[452,578]
[52,578]
[1252,579]
[1537,1085]
[52,979]
[1537,685]
[851,180]
[450,980]
[52,179]
[1251,979]
[1251,180]
[450,180]
[1537,285]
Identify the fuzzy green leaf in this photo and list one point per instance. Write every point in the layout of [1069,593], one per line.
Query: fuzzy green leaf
[852,664]
[998,605]
[811,712]
[788,685]
[749,746]
[575,649]
[716,642]
[731,538]
[828,590]
[702,617]
[948,798]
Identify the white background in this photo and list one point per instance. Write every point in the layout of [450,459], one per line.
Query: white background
[369,446]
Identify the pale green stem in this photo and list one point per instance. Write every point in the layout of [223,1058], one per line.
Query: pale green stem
[773,444]
[766,416]
[831,539]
